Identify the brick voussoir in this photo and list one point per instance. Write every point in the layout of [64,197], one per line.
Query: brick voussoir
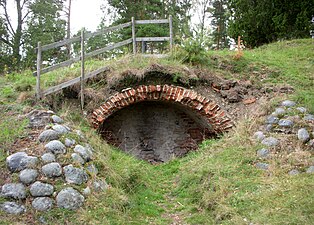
[214,115]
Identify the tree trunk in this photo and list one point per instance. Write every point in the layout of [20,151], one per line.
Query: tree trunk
[69,28]
[18,34]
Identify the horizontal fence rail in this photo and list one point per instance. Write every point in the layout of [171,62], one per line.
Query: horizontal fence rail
[83,56]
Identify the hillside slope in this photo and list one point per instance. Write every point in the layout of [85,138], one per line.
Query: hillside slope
[219,183]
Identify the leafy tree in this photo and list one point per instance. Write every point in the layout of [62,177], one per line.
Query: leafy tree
[264,21]
[12,37]
[45,25]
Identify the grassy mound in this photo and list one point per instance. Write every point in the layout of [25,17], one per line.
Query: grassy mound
[218,184]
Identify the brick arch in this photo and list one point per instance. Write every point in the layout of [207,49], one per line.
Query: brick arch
[208,109]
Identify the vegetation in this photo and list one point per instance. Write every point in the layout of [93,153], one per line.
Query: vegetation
[218,184]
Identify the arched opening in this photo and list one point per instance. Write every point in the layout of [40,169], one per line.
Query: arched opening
[155,131]
[159,122]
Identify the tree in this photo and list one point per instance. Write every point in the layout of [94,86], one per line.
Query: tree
[263,21]
[13,38]
[202,7]
[45,25]
[220,23]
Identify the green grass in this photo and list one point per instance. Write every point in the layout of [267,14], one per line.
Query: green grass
[218,184]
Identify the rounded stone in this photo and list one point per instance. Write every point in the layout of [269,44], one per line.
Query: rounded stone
[55,147]
[60,129]
[302,109]
[56,119]
[42,203]
[309,117]
[310,169]
[16,161]
[259,135]
[269,127]
[77,158]
[285,123]
[272,120]
[69,142]
[100,185]
[75,175]
[39,189]
[294,172]
[13,190]
[279,112]
[69,198]
[92,169]
[288,103]
[28,176]
[82,151]
[86,191]
[12,208]
[48,135]
[48,157]
[270,142]
[262,166]
[263,153]
[52,170]
[303,135]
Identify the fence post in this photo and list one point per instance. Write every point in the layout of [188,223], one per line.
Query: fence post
[82,67]
[38,92]
[133,36]
[171,32]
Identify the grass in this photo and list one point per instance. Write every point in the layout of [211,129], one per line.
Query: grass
[219,184]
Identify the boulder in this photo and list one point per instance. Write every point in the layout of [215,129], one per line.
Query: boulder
[40,189]
[75,175]
[263,153]
[272,120]
[288,103]
[270,142]
[12,208]
[69,142]
[48,135]
[303,135]
[60,129]
[13,190]
[28,176]
[52,170]
[48,158]
[17,161]
[285,123]
[55,147]
[259,135]
[69,198]
[83,152]
[42,203]
[77,158]
[56,119]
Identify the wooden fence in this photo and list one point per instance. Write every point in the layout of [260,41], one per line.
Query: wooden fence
[84,36]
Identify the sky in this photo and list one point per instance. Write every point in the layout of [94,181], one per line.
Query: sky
[86,13]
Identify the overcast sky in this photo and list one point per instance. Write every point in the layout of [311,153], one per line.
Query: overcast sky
[86,13]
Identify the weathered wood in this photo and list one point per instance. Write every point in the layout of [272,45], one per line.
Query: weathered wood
[60,43]
[71,82]
[82,67]
[106,30]
[151,21]
[153,39]
[170,33]
[108,48]
[59,65]
[39,50]
[133,36]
